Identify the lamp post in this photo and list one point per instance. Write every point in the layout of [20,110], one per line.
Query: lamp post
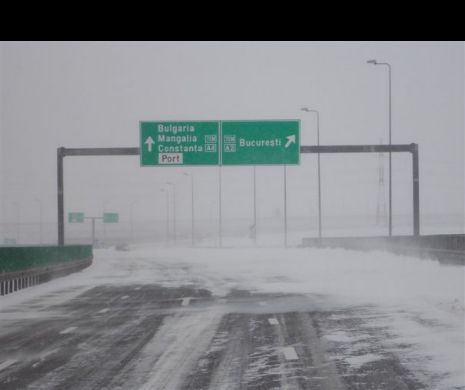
[105,203]
[254,229]
[319,171]
[17,225]
[375,62]
[40,219]
[220,220]
[174,209]
[285,206]
[167,214]
[192,205]
[132,221]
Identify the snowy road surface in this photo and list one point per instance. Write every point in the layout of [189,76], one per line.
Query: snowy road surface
[160,318]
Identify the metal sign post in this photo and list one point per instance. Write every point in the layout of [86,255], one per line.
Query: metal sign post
[93,228]
[61,154]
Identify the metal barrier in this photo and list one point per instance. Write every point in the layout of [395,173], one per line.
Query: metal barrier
[447,248]
[22,267]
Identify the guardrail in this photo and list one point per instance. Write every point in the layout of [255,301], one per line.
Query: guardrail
[447,248]
[22,267]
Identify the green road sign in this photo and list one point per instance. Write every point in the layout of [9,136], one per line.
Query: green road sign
[260,142]
[110,217]
[179,143]
[75,217]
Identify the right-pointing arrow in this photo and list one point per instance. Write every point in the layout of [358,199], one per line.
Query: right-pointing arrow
[290,140]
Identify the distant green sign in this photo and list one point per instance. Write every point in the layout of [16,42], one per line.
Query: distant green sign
[75,217]
[179,143]
[260,142]
[110,217]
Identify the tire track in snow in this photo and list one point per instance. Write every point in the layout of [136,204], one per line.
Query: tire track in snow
[167,359]
[313,369]
[96,349]
[241,355]
[235,341]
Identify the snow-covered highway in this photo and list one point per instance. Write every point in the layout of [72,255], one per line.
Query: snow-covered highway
[205,318]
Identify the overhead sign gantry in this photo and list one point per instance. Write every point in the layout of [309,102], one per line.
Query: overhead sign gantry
[261,142]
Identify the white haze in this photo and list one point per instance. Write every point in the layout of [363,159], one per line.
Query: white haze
[95,94]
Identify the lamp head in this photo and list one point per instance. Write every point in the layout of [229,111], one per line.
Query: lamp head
[372,62]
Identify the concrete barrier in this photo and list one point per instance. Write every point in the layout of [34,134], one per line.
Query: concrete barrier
[447,248]
[22,267]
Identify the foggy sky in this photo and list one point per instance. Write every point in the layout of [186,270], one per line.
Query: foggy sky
[95,94]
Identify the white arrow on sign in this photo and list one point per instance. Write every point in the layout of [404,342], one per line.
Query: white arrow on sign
[290,140]
[149,141]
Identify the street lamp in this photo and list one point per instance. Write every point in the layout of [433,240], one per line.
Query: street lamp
[254,228]
[132,220]
[285,206]
[105,203]
[375,62]
[18,226]
[192,203]
[167,214]
[174,209]
[40,218]
[319,171]
[220,217]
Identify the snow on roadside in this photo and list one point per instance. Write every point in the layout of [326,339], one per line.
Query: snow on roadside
[422,301]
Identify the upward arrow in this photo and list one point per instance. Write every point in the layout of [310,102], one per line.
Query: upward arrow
[290,140]
[149,141]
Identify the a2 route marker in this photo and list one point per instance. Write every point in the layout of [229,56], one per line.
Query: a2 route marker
[266,142]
